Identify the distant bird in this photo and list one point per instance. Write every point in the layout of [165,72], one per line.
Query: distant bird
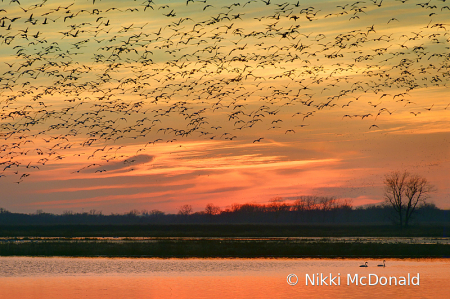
[429,109]
[364,266]
[392,19]
[383,265]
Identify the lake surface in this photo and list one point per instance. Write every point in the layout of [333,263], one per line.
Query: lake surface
[55,277]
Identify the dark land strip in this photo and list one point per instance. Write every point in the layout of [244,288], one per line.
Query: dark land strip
[206,241]
[223,230]
[205,248]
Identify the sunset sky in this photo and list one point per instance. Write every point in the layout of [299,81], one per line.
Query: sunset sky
[121,105]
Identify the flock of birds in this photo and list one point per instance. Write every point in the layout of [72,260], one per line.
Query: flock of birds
[89,79]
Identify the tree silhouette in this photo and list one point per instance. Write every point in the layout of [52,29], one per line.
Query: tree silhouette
[405,192]
[185,210]
[277,207]
[211,209]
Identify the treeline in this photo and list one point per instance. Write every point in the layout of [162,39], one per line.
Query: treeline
[304,210]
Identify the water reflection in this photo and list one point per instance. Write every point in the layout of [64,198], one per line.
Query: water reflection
[35,277]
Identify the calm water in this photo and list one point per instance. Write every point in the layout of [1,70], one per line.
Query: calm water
[35,277]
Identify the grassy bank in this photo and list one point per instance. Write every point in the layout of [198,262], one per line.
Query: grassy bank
[220,248]
[223,230]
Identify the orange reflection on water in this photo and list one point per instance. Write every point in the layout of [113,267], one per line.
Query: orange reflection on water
[202,278]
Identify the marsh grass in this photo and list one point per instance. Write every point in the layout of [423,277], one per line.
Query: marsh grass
[220,248]
[227,240]
[222,230]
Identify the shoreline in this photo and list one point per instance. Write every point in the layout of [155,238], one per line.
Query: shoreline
[223,230]
[226,241]
[223,248]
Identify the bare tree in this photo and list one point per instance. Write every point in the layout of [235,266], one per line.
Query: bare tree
[405,192]
[211,209]
[417,192]
[132,213]
[152,213]
[306,204]
[185,210]
[310,202]
[235,207]
[299,205]
[94,212]
[277,206]
[156,213]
